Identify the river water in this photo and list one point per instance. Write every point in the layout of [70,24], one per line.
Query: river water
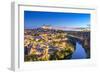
[79,52]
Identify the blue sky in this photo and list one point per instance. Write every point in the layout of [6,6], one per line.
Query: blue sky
[35,19]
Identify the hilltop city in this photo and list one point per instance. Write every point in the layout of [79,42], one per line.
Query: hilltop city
[53,43]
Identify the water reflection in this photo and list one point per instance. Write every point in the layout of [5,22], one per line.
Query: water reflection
[79,52]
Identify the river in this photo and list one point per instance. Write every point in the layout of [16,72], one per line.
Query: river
[79,52]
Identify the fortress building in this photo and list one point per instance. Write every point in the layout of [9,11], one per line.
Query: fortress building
[46,27]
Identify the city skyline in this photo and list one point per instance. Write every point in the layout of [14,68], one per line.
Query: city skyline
[36,19]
